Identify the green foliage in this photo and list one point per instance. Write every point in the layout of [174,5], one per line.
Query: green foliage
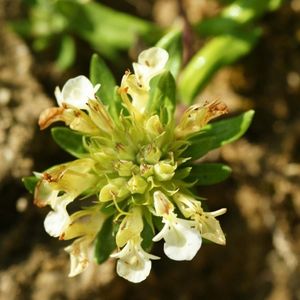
[30,183]
[219,133]
[162,96]
[100,73]
[220,51]
[106,30]
[209,173]
[69,140]
[235,16]
[105,241]
[147,235]
[67,53]
[53,23]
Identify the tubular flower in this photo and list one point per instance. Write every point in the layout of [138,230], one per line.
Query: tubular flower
[134,263]
[133,167]
[182,238]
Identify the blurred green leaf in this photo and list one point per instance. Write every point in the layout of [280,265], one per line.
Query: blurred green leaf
[105,242]
[209,173]
[67,53]
[69,140]
[105,29]
[236,15]
[172,42]
[217,134]
[100,73]
[147,235]
[244,11]
[220,51]
[30,183]
[162,95]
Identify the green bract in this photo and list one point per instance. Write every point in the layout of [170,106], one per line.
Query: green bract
[136,163]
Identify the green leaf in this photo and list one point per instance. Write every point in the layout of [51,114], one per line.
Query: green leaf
[158,224]
[147,235]
[162,95]
[105,242]
[67,53]
[69,140]
[220,51]
[100,73]
[172,42]
[217,134]
[105,29]
[30,183]
[237,15]
[209,173]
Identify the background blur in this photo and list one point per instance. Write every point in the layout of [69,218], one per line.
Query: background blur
[261,258]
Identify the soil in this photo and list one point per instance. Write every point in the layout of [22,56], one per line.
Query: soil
[261,258]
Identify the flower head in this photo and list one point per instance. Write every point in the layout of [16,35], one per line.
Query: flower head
[133,169]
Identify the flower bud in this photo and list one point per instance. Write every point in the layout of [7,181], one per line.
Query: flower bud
[137,184]
[153,126]
[124,167]
[146,170]
[130,228]
[164,170]
[150,154]
[162,204]
[115,190]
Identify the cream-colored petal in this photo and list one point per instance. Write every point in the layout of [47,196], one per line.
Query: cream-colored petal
[162,204]
[134,263]
[57,220]
[76,92]
[79,255]
[130,227]
[211,230]
[150,63]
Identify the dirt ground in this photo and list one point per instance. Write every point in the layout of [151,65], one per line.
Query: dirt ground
[261,258]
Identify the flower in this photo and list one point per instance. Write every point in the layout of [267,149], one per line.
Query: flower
[83,225]
[58,219]
[151,62]
[133,174]
[207,224]
[134,263]
[76,92]
[182,238]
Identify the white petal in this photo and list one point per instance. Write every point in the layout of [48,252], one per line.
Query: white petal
[135,272]
[76,92]
[58,96]
[154,57]
[57,220]
[150,63]
[162,233]
[134,263]
[182,239]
